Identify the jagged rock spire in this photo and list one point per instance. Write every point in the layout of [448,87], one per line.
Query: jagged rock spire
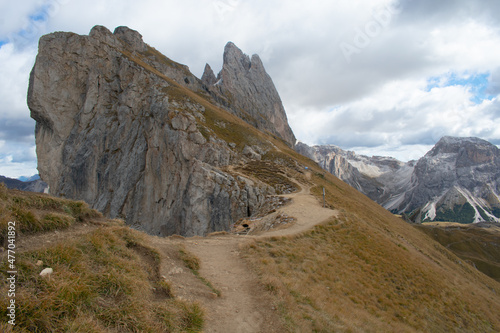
[250,92]
[208,77]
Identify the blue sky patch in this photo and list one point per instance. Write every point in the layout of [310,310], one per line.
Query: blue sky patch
[41,15]
[30,32]
[477,84]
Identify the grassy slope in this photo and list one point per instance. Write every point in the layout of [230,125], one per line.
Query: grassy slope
[370,271]
[476,245]
[105,280]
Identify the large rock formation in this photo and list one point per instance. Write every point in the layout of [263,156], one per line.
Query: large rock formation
[244,87]
[458,180]
[120,126]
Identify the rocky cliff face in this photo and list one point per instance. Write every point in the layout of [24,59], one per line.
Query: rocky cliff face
[245,88]
[131,132]
[379,178]
[458,180]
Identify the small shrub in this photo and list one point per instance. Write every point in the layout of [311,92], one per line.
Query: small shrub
[81,210]
[192,318]
[26,220]
[52,221]
[165,289]
[190,260]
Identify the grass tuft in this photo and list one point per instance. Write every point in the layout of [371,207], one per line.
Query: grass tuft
[190,260]
[193,263]
[36,212]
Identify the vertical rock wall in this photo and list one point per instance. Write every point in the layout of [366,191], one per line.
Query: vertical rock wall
[113,131]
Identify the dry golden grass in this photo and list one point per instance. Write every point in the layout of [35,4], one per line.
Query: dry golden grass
[271,174]
[479,246]
[35,212]
[105,280]
[369,271]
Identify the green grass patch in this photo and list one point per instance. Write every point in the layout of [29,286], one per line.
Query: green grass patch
[460,214]
[193,263]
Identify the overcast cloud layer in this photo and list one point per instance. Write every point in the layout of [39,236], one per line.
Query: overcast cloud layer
[382,77]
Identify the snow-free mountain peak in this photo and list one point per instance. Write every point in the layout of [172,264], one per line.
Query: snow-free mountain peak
[244,86]
[458,180]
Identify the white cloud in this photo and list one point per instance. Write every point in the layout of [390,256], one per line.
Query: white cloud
[17,160]
[17,155]
[379,101]
[15,16]
[15,66]
[402,153]
[401,114]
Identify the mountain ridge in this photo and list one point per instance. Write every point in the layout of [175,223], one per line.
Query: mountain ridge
[456,179]
[36,185]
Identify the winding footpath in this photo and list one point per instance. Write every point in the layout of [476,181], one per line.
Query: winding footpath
[244,306]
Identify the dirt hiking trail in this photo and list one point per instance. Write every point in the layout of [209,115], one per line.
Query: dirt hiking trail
[243,306]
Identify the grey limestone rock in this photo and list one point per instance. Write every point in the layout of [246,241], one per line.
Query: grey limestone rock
[456,172]
[110,131]
[131,37]
[376,177]
[208,77]
[458,180]
[245,88]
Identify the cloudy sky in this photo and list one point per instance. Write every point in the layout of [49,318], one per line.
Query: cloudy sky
[380,77]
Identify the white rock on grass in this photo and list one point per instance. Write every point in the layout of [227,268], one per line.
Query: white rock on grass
[46,271]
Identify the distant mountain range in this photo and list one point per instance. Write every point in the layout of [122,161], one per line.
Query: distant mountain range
[31,184]
[458,180]
[29,179]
